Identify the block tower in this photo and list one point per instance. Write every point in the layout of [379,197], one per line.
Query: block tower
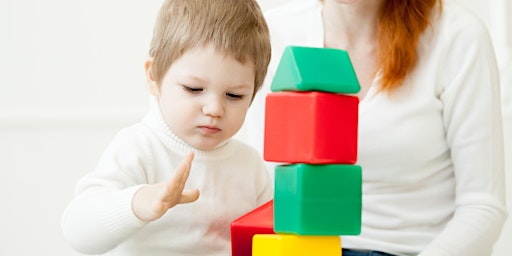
[311,125]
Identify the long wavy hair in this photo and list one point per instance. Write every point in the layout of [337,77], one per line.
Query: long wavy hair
[401,23]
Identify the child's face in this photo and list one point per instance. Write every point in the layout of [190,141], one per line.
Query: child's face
[204,96]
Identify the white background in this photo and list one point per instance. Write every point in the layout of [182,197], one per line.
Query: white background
[71,75]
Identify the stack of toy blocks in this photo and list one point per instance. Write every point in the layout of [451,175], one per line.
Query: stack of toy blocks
[311,124]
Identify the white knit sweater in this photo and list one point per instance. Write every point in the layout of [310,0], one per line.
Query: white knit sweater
[432,152]
[232,180]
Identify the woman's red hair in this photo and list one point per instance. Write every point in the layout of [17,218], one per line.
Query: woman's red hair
[401,22]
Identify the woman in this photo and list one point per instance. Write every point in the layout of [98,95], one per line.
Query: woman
[430,132]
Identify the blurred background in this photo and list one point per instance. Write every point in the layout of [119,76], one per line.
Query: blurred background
[71,76]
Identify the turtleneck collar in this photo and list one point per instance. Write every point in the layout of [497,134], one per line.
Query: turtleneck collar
[155,120]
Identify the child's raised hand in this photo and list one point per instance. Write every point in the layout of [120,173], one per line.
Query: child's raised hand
[152,201]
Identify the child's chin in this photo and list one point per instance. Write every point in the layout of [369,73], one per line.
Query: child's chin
[206,146]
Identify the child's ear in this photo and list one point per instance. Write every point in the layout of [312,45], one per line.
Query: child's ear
[151,83]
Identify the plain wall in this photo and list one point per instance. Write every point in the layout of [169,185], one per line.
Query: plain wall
[71,76]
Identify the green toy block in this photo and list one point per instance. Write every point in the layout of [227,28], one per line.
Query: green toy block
[315,69]
[318,199]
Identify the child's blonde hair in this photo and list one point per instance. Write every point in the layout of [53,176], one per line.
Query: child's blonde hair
[234,27]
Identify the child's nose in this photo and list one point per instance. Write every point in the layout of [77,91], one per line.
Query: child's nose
[213,107]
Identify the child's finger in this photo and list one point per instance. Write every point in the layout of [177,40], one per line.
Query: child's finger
[184,168]
[189,196]
[183,171]
[188,159]
[176,185]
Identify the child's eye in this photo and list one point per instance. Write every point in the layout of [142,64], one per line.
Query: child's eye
[192,89]
[235,96]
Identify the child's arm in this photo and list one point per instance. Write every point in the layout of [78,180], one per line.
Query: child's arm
[152,201]
[101,215]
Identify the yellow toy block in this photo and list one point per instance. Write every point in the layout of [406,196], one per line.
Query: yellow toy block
[294,245]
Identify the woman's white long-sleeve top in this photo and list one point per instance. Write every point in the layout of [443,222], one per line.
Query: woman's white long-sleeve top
[432,151]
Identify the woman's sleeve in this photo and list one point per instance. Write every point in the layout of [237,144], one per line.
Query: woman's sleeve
[473,125]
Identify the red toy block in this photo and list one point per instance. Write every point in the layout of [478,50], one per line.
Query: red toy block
[311,127]
[258,221]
